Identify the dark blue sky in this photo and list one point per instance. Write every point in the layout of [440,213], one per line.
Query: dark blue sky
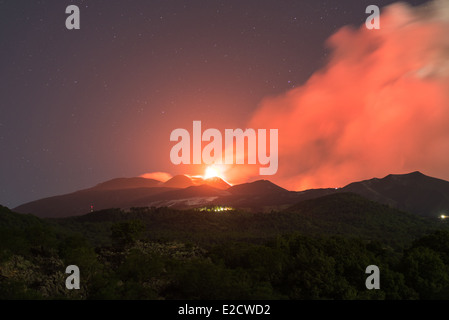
[83,106]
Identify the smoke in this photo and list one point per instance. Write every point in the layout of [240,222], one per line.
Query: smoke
[160,176]
[379,106]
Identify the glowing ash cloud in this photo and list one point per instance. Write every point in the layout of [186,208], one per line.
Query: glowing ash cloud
[379,106]
[160,176]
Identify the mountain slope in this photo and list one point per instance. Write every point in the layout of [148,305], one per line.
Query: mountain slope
[20,234]
[349,213]
[341,214]
[259,187]
[179,181]
[193,196]
[127,183]
[80,202]
[413,192]
[258,195]
[217,183]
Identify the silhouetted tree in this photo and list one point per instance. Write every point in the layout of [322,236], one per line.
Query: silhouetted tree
[126,233]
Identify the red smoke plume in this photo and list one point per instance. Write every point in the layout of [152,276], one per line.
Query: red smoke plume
[160,176]
[380,105]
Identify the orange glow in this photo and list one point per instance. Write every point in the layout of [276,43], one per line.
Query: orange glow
[378,106]
[160,176]
[211,172]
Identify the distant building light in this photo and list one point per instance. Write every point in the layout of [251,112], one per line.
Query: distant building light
[443,216]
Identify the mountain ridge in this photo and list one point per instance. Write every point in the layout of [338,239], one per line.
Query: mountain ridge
[413,192]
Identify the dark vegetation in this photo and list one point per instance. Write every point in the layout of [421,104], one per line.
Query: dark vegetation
[317,249]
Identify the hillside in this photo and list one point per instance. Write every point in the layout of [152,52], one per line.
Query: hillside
[20,233]
[413,192]
[80,202]
[315,249]
[127,183]
[339,214]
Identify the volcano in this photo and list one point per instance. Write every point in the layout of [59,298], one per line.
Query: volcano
[414,192]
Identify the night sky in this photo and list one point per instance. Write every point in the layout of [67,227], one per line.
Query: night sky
[83,106]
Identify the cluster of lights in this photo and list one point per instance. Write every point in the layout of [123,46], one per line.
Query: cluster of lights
[222,209]
[217,209]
